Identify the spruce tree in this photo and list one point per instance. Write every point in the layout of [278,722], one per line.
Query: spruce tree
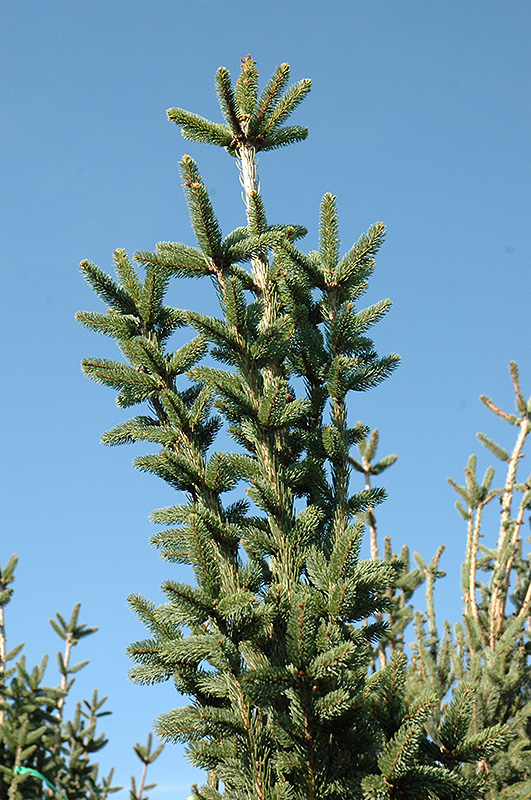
[43,752]
[273,643]
[483,664]
[490,651]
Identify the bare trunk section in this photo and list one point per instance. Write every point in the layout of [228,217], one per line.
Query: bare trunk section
[249,181]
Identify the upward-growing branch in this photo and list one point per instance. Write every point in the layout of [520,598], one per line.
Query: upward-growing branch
[509,528]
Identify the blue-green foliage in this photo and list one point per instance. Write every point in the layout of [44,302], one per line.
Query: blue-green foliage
[43,752]
[273,643]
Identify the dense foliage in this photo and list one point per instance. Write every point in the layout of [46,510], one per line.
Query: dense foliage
[42,751]
[289,645]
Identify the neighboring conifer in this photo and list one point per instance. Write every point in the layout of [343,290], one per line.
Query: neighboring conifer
[273,643]
[486,660]
[492,647]
[42,753]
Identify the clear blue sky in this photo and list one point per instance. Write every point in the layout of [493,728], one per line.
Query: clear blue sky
[419,116]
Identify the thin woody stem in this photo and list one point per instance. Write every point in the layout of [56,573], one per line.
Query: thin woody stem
[510,562]
[524,611]
[142,781]
[370,512]
[64,676]
[500,576]
[525,427]
[64,686]
[496,410]
[213,779]
[382,656]
[474,539]
[430,603]
[467,572]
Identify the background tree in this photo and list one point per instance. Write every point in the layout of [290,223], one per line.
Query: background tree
[485,660]
[273,643]
[42,752]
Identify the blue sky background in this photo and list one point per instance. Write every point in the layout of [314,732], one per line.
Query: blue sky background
[419,116]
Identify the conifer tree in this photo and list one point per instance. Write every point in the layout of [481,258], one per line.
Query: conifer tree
[485,661]
[274,641]
[42,752]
